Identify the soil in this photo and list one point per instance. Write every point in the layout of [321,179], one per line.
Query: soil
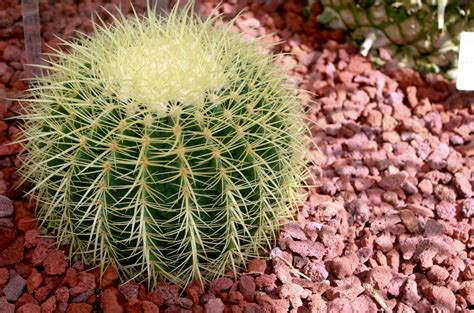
[388,225]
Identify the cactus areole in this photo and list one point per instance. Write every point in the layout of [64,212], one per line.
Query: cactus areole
[164,145]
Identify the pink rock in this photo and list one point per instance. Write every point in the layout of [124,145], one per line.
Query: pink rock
[164,293]
[410,295]
[467,291]
[446,210]
[214,306]
[467,209]
[394,286]
[247,287]
[442,296]
[437,274]
[55,263]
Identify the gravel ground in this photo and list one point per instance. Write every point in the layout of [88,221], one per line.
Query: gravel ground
[388,226]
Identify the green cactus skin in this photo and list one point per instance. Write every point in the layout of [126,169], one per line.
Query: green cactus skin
[165,146]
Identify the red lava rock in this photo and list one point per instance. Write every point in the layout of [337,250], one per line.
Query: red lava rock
[344,266]
[15,286]
[85,282]
[446,210]
[34,281]
[109,277]
[220,284]
[257,266]
[55,263]
[293,292]
[235,297]
[247,287]
[214,306]
[294,231]
[163,293]
[437,273]
[307,248]
[359,211]
[14,253]
[70,279]
[133,307]
[62,294]
[31,238]
[467,291]
[411,296]
[393,181]
[42,293]
[4,276]
[194,290]
[442,296]
[149,307]
[129,290]
[266,282]
[8,236]
[49,306]
[316,271]
[379,276]
[81,308]
[463,186]
[7,307]
[6,207]
[408,219]
[29,308]
[272,305]
[109,302]
[41,252]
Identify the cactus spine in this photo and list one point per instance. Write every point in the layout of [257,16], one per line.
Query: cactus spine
[165,146]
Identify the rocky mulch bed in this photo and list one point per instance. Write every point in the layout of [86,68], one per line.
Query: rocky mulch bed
[389,224]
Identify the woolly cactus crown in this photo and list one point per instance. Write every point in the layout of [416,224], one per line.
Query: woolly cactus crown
[165,146]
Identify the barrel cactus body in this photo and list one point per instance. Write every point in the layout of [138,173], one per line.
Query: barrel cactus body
[417,33]
[165,146]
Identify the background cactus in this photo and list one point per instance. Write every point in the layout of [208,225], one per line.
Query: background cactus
[423,34]
[165,146]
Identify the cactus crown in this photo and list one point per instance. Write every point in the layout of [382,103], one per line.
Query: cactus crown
[165,146]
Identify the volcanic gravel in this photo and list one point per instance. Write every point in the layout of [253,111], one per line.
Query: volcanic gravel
[387,223]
